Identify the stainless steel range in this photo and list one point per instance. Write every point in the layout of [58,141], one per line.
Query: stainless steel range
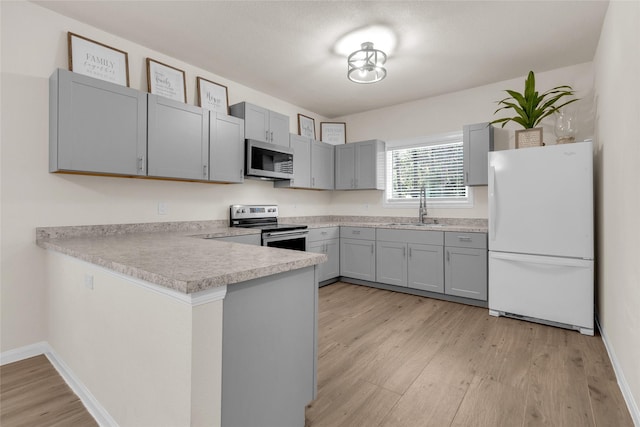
[274,234]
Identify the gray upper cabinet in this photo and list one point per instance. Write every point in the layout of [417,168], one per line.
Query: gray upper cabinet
[262,124]
[360,165]
[96,126]
[226,148]
[466,265]
[477,142]
[322,165]
[178,139]
[312,164]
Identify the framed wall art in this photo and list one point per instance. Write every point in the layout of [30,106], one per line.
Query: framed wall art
[306,126]
[212,96]
[333,132]
[165,80]
[95,59]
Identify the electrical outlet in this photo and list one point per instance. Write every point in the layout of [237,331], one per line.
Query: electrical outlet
[88,281]
[163,208]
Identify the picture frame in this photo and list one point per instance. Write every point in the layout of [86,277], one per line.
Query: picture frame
[98,60]
[212,96]
[333,132]
[306,126]
[529,138]
[165,80]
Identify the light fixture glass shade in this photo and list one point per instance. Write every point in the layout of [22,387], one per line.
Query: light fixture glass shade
[366,64]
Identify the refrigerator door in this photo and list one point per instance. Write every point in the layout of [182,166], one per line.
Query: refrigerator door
[546,288]
[541,200]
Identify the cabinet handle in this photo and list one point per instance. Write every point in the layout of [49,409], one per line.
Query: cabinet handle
[313,182]
[404,252]
[466,174]
[409,252]
[141,164]
[464,239]
[266,135]
[355,232]
[323,232]
[204,170]
[271,136]
[372,248]
[326,248]
[447,256]
[241,173]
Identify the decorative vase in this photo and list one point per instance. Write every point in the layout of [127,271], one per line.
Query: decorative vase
[566,126]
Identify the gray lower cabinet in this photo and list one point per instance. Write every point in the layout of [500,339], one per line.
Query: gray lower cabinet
[326,241]
[226,148]
[466,265]
[360,165]
[411,259]
[262,124]
[178,139]
[96,126]
[269,350]
[358,253]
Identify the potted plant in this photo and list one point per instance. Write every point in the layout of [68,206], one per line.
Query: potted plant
[531,108]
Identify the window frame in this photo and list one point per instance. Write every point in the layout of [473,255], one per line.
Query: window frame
[425,141]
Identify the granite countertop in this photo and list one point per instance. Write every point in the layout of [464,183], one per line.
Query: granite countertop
[186,257]
[185,261]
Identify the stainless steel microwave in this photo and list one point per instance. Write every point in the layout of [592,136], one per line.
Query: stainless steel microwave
[268,161]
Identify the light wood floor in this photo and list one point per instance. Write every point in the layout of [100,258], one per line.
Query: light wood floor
[388,359]
[34,394]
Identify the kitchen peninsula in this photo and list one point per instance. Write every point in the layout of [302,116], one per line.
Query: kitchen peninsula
[136,312]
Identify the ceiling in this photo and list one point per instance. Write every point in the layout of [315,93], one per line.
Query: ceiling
[285,48]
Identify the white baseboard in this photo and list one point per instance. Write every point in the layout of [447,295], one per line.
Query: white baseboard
[632,405]
[94,407]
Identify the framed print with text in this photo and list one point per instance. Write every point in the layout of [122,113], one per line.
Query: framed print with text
[333,132]
[165,80]
[306,126]
[212,96]
[94,59]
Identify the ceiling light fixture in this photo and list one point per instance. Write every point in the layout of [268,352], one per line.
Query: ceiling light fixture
[366,64]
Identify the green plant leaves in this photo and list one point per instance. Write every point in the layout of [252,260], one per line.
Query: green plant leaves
[530,107]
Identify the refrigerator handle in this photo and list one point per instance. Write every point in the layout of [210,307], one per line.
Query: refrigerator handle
[492,203]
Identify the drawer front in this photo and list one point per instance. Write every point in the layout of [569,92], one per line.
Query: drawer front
[465,240]
[364,233]
[410,236]
[316,234]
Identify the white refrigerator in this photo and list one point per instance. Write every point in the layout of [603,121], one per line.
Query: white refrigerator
[541,246]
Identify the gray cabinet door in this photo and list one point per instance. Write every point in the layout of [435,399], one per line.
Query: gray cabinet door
[226,148]
[426,267]
[256,122]
[178,139]
[345,164]
[96,126]
[301,161]
[358,259]
[366,153]
[466,272]
[331,268]
[322,165]
[391,263]
[477,142]
[278,129]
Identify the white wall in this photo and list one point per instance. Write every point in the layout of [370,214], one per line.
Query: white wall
[33,45]
[617,84]
[449,113]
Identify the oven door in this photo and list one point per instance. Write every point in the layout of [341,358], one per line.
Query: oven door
[295,240]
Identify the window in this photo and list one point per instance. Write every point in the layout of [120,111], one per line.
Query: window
[433,162]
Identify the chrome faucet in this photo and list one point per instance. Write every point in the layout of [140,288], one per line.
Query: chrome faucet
[422,211]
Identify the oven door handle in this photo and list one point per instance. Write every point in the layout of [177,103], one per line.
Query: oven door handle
[287,234]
